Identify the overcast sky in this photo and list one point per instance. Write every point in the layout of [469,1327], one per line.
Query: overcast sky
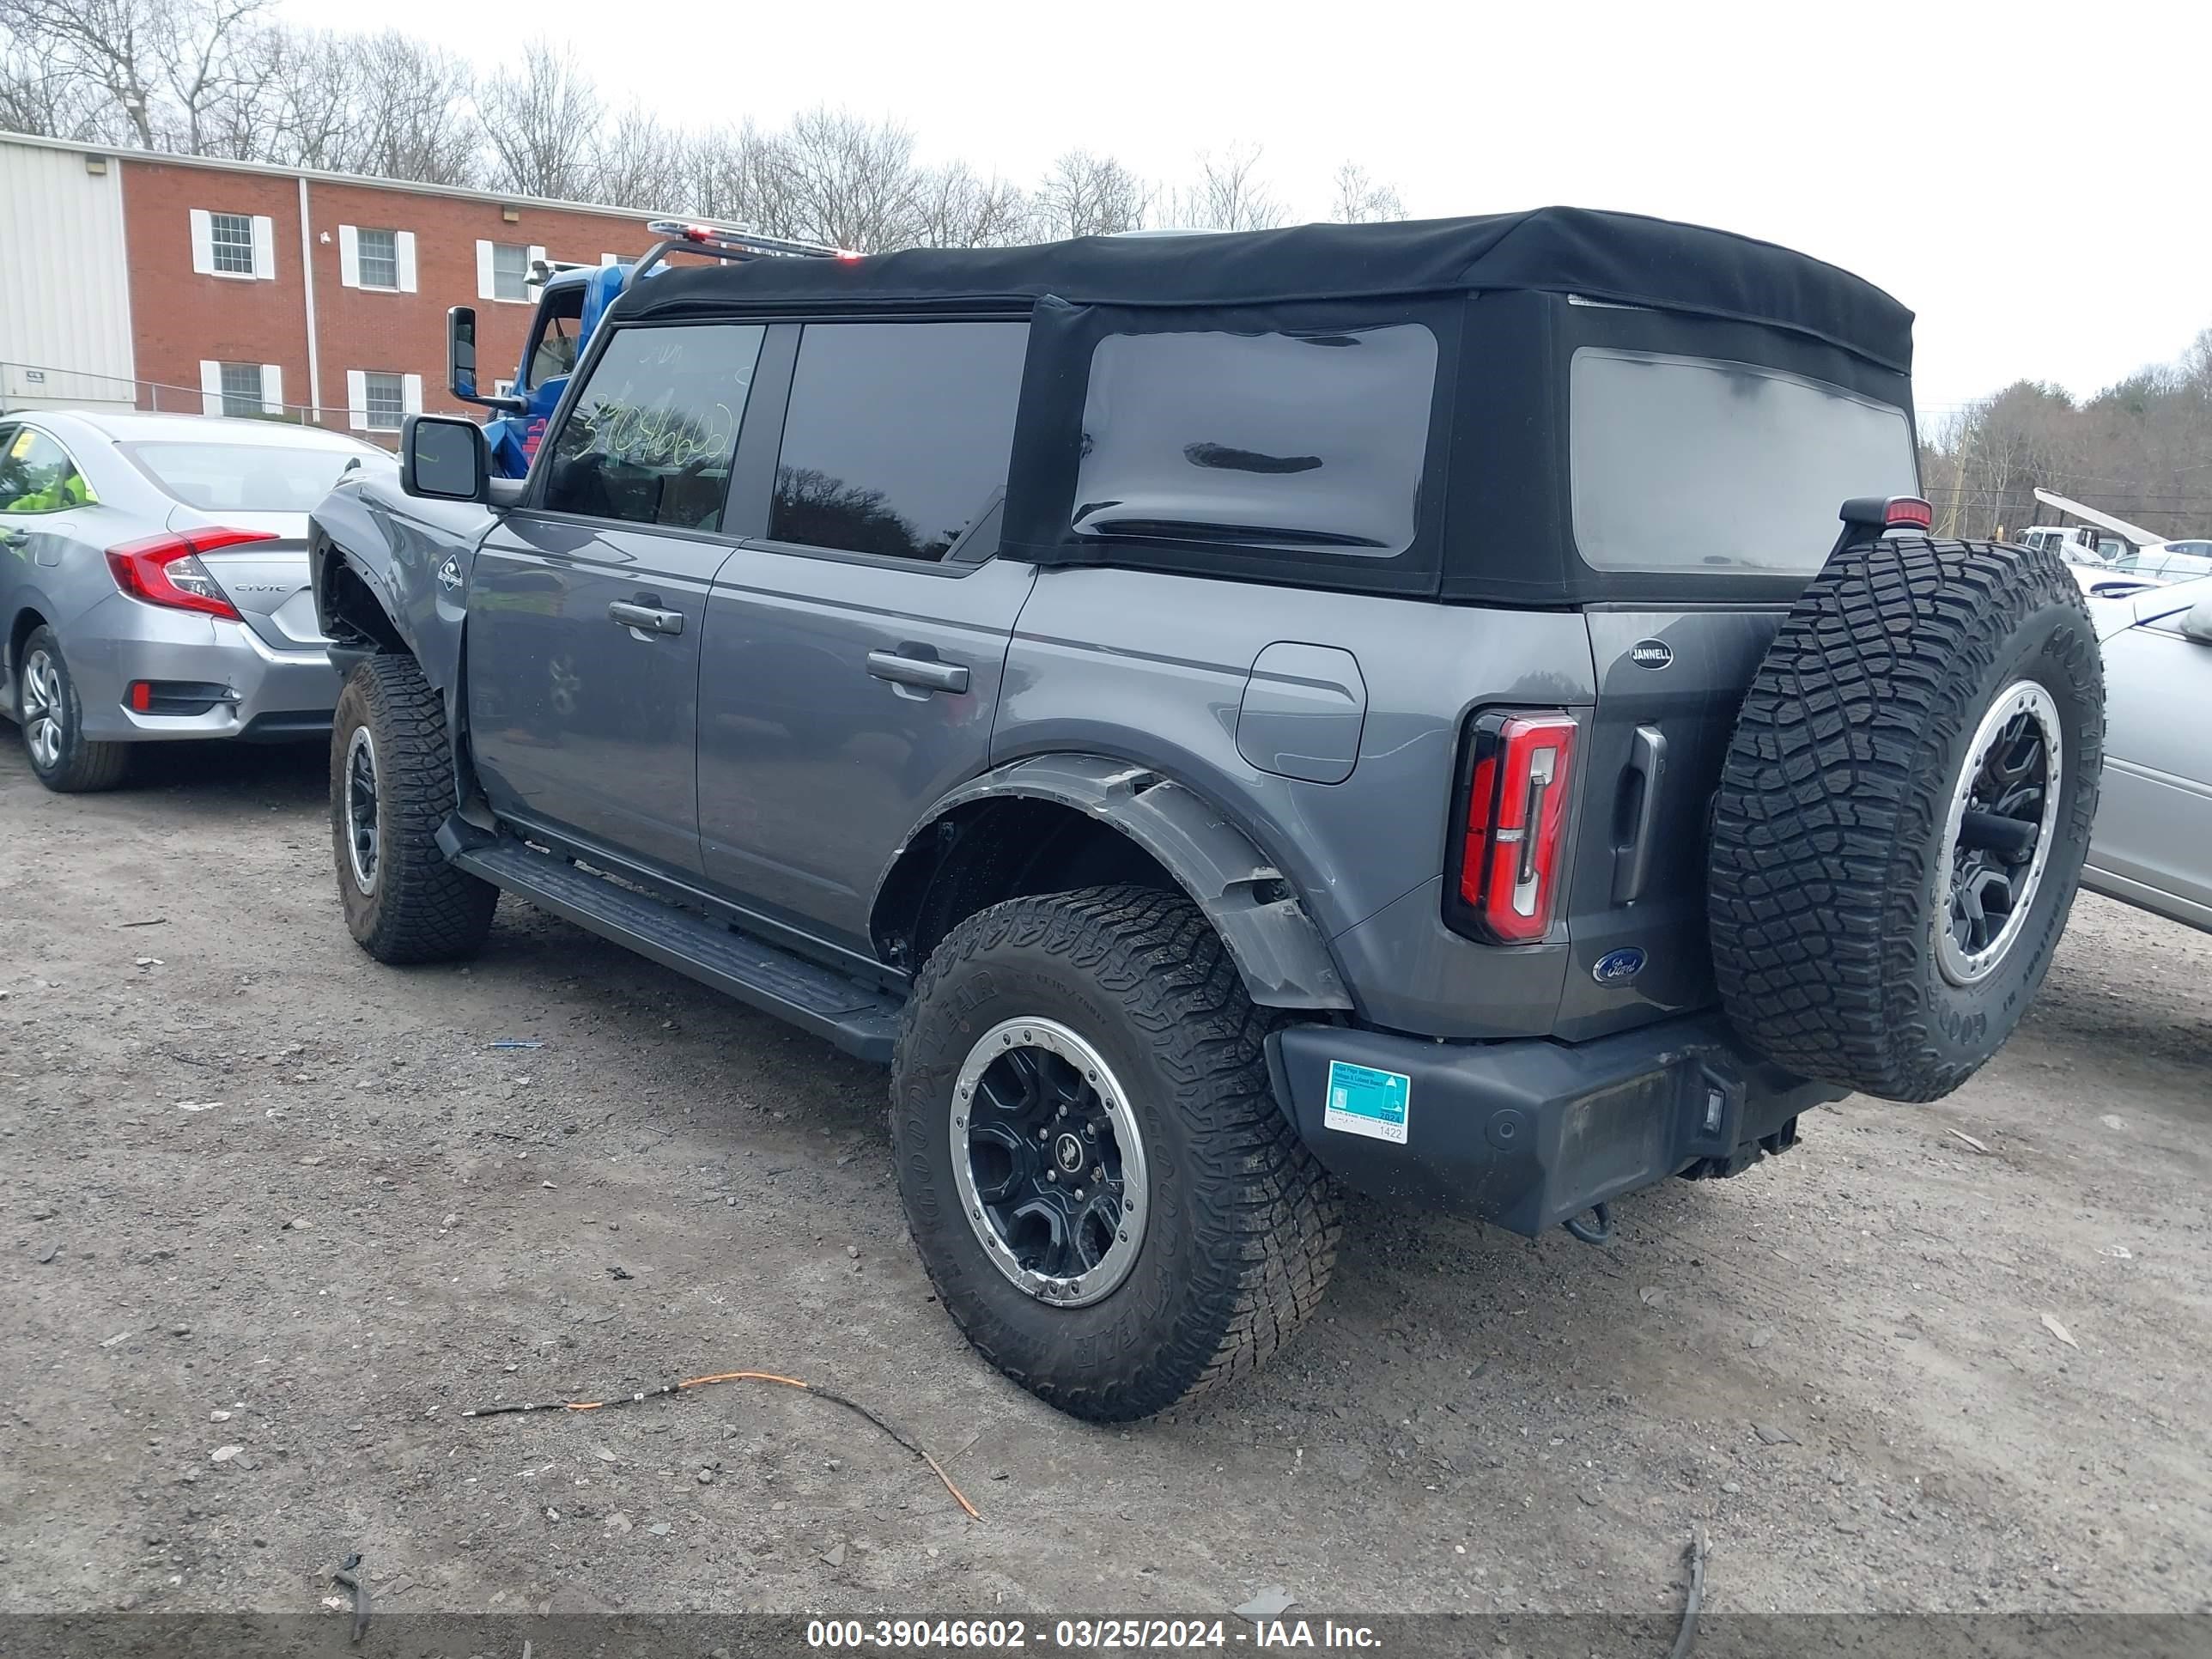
[2029,177]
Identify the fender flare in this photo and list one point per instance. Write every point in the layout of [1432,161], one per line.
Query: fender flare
[1277,948]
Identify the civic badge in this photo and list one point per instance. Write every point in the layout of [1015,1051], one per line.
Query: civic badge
[1619,967]
[449,575]
[1651,653]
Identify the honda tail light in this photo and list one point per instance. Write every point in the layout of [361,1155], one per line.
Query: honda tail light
[1512,834]
[165,570]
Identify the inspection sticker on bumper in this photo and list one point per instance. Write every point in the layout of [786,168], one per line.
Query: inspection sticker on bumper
[1363,1101]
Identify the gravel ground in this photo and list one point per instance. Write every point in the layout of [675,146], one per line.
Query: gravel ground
[275,1216]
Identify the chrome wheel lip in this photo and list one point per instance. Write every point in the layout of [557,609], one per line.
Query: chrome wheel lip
[1051,1037]
[42,710]
[1960,966]
[364,853]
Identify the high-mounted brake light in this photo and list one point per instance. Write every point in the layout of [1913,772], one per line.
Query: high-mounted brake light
[1519,785]
[1869,517]
[165,570]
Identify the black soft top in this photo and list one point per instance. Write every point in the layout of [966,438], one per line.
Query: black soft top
[1622,258]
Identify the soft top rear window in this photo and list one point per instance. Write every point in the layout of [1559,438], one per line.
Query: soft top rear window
[1689,465]
[243,477]
[1305,441]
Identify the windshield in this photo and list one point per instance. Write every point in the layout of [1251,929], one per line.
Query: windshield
[243,477]
[1690,465]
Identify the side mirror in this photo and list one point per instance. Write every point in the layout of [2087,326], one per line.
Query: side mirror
[443,458]
[2197,623]
[461,362]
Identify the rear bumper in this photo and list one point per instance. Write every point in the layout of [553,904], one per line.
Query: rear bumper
[267,694]
[1528,1134]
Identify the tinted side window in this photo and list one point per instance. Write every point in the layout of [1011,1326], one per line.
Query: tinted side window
[649,439]
[1259,440]
[898,435]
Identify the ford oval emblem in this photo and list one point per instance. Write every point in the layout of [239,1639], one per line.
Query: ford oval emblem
[1651,653]
[1619,967]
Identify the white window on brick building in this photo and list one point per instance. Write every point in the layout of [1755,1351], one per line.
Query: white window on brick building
[241,388]
[240,245]
[376,258]
[503,269]
[377,400]
[231,234]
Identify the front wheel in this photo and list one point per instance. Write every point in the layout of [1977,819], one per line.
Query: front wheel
[391,786]
[1093,1166]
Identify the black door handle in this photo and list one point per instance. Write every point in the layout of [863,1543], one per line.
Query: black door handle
[15,538]
[645,618]
[918,671]
[1631,860]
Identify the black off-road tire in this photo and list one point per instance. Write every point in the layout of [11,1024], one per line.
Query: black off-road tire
[1830,828]
[420,908]
[83,766]
[1244,1222]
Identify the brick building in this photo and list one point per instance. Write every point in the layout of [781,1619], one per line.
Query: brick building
[179,282]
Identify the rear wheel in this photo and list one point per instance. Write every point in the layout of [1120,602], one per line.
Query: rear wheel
[1096,1174]
[1905,810]
[391,786]
[51,721]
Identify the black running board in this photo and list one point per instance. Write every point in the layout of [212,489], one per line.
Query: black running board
[856,1017]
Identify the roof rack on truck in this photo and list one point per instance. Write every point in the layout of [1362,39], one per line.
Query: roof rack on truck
[729,242]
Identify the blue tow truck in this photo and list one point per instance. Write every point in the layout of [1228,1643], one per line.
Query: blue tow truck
[571,299]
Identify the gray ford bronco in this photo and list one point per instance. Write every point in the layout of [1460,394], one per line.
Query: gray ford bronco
[1232,718]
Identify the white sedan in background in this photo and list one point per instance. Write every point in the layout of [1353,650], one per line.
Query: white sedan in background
[2152,846]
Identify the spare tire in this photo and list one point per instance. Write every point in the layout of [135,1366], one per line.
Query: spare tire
[1904,812]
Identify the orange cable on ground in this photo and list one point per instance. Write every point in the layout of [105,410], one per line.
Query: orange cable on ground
[830,1395]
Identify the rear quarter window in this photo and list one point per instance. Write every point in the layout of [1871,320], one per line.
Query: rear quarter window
[1304,441]
[1689,465]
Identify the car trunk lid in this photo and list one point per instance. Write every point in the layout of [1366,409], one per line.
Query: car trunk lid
[267,581]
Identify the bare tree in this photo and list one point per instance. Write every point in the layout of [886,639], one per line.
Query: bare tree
[959,209]
[542,122]
[1228,194]
[48,102]
[1359,199]
[162,66]
[417,113]
[850,181]
[294,97]
[1087,195]
[738,175]
[640,162]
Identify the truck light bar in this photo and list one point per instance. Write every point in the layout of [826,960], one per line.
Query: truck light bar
[735,242]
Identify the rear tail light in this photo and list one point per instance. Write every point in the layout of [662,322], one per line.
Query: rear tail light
[165,570]
[1511,851]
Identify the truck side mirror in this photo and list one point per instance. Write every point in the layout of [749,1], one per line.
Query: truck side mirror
[461,362]
[443,458]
